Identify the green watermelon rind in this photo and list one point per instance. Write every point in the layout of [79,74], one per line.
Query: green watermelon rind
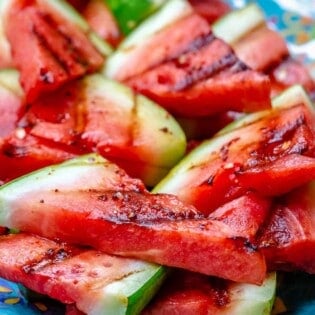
[236,24]
[248,299]
[9,78]
[168,14]
[125,296]
[200,155]
[167,139]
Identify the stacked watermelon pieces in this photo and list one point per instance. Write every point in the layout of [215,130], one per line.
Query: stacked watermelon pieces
[102,200]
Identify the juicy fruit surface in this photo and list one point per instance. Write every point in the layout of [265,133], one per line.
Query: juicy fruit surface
[287,240]
[97,114]
[190,293]
[194,70]
[114,213]
[277,149]
[70,274]
[48,49]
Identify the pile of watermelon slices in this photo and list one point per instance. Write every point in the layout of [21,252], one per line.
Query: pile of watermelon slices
[104,205]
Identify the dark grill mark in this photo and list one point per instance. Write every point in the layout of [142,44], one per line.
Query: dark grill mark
[199,42]
[203,72]
[70,49]
[280,141]
[52,256]
[224,150]
[128,206]
[244,244]
[13,151]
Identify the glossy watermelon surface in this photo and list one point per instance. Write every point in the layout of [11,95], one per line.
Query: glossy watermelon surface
[100,206]
[70,274]
[48,49]
[271,155]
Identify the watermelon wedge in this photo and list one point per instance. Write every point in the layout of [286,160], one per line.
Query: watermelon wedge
[98,114]
[189,293]
[269,152]
[288,238]
[191,74]
[247,31]
[48,47]
[94,281]
[90,201]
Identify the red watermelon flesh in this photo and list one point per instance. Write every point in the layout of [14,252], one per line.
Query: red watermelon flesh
[190,293]
[98,206]
[21,153]
[255,49]
[228,89]
[11,109]
[211,10]
[288,239]
[47,49]
[272,156]
[64,272]
[125,224]
[290,72]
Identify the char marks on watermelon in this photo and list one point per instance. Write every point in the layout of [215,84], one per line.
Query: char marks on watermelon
[48,49]
[271,155]
[108,210]
[191,74]
[64,272]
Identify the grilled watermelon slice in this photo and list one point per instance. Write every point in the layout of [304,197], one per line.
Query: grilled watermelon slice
[288,238]
[91,201]
[269,152]
[191,73]
[96,282]
[98,114]
[247,32]
[48,45]
[188,293]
